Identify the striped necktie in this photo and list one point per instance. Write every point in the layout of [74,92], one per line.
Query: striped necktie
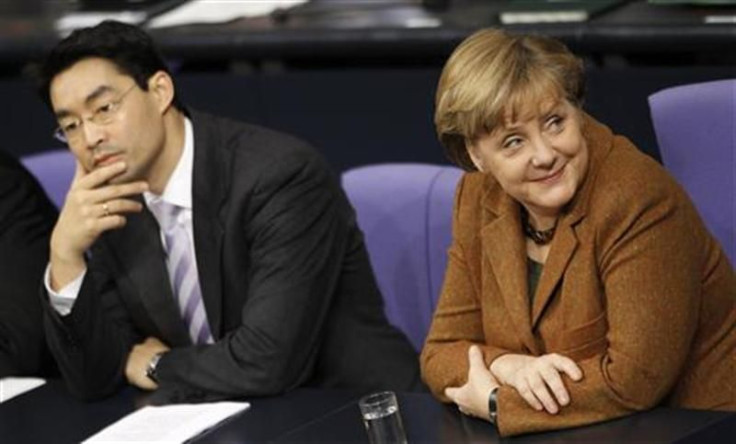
[182,266]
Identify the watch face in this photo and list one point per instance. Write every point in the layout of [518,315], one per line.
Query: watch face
[151,369]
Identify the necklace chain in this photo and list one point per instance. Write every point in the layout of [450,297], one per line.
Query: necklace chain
[539,237]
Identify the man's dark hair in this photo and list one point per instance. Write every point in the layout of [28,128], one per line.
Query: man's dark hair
[127,46]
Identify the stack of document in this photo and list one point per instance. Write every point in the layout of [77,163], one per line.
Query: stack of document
[176,423]
[208,11]
[92,12]
[553,11]
[165,13]
[12,387]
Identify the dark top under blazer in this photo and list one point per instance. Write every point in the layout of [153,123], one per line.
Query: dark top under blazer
[285,277]
[26,220]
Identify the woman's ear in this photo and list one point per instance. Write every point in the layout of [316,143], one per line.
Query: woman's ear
[161,85]
[474,153]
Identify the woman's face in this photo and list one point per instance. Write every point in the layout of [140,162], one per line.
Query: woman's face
[540,159]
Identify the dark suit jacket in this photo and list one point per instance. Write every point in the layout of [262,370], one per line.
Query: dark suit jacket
[285,278]
[26,220]
[634,289]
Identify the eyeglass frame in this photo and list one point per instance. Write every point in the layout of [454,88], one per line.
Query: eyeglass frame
[113,108]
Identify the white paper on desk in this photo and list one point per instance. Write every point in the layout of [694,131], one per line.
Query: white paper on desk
[12,387]
[218,11]
[167,424]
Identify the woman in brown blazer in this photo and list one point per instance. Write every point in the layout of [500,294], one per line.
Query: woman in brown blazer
[581,284]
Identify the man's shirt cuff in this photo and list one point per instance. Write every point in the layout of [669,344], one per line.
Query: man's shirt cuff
[63,301]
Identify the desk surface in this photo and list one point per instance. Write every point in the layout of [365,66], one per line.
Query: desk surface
[402,29]
[395,30]
[428,421]
[50,414]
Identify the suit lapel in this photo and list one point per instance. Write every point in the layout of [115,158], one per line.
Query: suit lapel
[503,246]
[210,181]
[141,253]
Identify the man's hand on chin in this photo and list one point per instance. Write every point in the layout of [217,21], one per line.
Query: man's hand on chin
[139,358]
[92,207]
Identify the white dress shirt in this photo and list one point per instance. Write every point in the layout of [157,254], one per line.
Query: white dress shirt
[178,191]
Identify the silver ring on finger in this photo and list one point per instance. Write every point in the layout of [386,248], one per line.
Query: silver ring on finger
[105,209]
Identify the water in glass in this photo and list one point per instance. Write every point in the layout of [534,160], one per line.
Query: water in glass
[385,427]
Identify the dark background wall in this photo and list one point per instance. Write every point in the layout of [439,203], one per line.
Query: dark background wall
[356,116]
[357,81]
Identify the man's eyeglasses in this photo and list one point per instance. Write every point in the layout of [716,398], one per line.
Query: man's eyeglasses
[71,130]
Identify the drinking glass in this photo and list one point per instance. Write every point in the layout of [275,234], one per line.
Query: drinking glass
[382,418]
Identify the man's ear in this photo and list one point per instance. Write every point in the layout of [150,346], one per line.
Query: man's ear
[161,86]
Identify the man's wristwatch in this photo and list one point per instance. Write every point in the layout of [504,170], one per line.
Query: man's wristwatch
[493,405]
[151,367]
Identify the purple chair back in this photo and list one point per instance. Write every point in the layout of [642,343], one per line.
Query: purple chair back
[696,130]
[405,212]
[54,169]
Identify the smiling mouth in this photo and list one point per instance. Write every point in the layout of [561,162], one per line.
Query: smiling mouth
[552,177]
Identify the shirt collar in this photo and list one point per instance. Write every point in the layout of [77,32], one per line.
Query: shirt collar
[178,190]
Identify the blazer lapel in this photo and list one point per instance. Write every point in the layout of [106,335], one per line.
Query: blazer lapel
[599,140]
[561,251]
[503,246]
[210,181]
[142,256]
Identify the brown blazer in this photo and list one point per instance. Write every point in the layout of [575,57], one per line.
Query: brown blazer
[635,290]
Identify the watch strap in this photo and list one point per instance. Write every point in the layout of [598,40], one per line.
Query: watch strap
[493,405]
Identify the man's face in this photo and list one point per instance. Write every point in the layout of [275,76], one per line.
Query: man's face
[108,118]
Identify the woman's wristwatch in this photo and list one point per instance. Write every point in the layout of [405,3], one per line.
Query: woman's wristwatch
[493,405]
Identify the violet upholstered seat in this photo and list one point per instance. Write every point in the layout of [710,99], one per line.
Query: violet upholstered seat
[695,126]
[54,169]
[405,212]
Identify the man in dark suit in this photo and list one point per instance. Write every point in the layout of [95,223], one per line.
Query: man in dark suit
[26,219]
[240,272]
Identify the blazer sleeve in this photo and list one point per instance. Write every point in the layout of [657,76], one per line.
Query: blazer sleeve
[92,342]
[651,251]
[458,320]
[26,220]
[295,230]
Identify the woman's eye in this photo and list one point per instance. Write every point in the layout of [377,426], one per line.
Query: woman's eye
[512,142]
[554,123]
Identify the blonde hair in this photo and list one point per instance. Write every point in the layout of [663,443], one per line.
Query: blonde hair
[492,74]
